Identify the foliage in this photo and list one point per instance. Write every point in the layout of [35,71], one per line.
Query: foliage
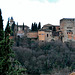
[23,26]
[44,58]
[39,26]
[17,26]
[12,28]
[1,27]
[8,66]
[34,26]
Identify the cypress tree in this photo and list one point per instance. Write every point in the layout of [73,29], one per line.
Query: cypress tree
[7,30]
[23,26]
[5,52]
[1,21]
[17,26]
[39,26]
[18,39]
[32,27]
[12,28]
[8,52]
[36,27]
[1,27]
[6,63]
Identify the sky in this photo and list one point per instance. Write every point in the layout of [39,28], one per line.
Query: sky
[30,11]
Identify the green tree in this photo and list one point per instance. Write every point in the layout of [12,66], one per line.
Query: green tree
[1,27]
[39,26]
[23,26]
[12,28]
[7,61]
[32,27]
[17,26]
[35,26]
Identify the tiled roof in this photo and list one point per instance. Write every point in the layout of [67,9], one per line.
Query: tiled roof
[47,25]
[22,26]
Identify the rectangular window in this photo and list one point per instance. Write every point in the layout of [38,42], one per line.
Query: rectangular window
[47,35]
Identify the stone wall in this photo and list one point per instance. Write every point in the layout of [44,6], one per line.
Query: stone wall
[32,35]
[67,26]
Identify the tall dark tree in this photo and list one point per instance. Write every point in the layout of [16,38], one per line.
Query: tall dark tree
[35,26]
[6,63]
[1,26]
[12,28]
[7,30]
[5,47]
[1,21]
[17,26]
[32,27]
[7,51]
[39,25]
[23,26]
[18,41]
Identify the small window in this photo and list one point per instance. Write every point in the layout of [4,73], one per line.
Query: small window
[47,35]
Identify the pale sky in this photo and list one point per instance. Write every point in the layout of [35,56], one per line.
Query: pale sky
[44,11]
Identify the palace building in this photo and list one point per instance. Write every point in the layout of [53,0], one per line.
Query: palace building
[64,32]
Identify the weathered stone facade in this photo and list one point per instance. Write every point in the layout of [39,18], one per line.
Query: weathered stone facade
[46,34]
[67,27]
[32,35]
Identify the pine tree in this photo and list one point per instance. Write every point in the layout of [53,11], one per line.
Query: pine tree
[39,26]
[23,26]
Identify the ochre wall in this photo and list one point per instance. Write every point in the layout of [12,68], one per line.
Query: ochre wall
[41,35]
[73,73]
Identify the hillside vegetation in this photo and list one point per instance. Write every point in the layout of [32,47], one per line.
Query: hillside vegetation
[55,57]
